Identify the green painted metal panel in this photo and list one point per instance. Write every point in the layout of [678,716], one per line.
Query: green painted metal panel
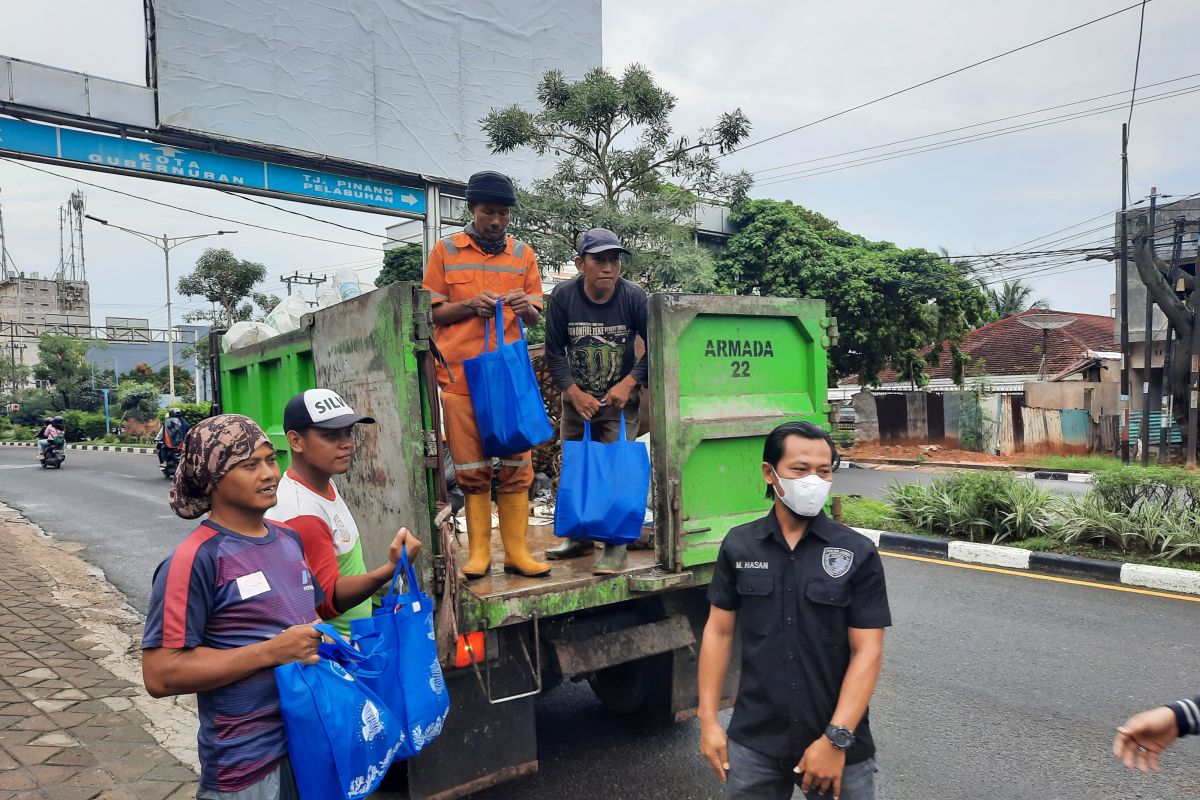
[370,350]
[724,372]
[258,381]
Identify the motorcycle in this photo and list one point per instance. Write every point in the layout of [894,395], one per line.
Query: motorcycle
[54,455]
[170,462]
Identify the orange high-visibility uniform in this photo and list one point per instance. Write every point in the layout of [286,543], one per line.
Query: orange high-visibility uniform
[459,270]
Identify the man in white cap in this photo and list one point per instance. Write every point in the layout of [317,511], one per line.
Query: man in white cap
[320,431]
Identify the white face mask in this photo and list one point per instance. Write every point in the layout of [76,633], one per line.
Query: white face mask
[804,496]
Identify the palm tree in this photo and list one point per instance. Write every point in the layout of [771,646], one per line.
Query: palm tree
[1013,297]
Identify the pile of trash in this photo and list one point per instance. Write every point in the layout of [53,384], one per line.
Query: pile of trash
[286,316]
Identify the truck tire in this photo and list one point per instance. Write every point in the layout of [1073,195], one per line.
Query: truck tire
[636,688]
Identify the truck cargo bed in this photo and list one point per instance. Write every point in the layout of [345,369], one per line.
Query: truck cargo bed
[573,573]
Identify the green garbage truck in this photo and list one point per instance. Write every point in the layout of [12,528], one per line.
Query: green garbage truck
[723,372]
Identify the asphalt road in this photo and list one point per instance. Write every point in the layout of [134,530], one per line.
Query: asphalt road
[995,686]
[873,480]
[115,503]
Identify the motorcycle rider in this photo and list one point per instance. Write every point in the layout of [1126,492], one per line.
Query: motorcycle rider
[172,433]
[52,429]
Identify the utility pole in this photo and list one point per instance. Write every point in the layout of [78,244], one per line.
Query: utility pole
[1148,344]
[1194,378]
[1124,291]
[1168,396]
[303,280]
[166,243]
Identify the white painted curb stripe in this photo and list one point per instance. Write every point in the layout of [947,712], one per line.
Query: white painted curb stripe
[992,554]
[870,533]
[1164,578]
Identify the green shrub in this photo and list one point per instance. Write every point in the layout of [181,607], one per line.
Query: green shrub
[842,438]
[138,401]
[83,425]
[23,434]
[1155,511]
[978,506]
[1125,488]
[192,412]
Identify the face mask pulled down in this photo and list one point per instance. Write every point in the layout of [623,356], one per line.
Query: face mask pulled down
[804,496]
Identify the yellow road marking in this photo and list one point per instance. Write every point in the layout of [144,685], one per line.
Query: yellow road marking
[1035,576]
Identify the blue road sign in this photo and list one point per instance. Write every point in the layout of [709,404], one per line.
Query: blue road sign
[18,136]
[137,156]
[126,155]
[326,186]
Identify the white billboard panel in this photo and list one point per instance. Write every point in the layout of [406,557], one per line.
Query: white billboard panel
[400,84]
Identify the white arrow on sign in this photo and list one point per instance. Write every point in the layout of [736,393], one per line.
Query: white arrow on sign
[408,199]
[166,150]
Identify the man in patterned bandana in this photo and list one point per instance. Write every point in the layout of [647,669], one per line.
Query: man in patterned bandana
[233,601]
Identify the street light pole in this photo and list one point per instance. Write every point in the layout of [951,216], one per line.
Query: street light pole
[167,243]
[166,246]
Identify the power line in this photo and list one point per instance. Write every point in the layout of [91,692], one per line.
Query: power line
[190,210]
[904,153]
[258,202]
[937,78]
[974,125]
[1136,64]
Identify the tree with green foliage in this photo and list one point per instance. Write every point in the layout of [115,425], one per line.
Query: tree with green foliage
[138,401]
[61,364]
[228,283]
[1011,298]
[890,303]
[402,263]
[620,166]
[36,404]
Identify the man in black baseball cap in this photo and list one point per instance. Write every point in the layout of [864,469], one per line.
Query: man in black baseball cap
[320,431]
[591,326]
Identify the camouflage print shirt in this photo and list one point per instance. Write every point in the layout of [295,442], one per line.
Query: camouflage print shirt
[592,344]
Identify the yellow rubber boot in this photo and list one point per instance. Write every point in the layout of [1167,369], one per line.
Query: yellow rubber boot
[479,535]
[514,520]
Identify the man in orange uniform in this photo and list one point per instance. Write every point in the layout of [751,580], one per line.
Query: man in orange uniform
[466,274]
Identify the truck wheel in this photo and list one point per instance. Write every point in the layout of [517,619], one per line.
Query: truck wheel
[640,688]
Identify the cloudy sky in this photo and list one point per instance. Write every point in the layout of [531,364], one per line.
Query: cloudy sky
[783,63]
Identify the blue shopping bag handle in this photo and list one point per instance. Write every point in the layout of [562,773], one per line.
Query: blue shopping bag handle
[487,327]
[404,567]
[587,428]
[345,653]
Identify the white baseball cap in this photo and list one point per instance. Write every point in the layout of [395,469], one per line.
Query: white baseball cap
[320,408]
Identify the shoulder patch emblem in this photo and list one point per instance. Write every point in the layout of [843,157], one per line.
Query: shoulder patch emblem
[836,561]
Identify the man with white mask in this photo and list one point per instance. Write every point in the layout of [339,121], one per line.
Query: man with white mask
[812,602]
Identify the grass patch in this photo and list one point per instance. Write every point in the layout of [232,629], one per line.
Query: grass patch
[1041,544]
[1077,463]
[866,512]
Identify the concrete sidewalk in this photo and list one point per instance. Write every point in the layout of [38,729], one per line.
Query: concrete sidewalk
[74,723]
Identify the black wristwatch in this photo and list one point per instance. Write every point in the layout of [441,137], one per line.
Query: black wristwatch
[841,737]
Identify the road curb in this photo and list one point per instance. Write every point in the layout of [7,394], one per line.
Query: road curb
[103,448]
[1142,576]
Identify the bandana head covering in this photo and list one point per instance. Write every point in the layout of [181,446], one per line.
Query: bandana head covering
[212,448]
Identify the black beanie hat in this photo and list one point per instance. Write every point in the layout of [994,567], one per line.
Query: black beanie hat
[491,187]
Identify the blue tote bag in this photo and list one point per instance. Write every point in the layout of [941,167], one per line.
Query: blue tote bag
[508,405]
[405,672]
[602,489]
[341,736]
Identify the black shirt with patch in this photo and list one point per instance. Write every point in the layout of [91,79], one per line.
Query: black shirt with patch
[794,610]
